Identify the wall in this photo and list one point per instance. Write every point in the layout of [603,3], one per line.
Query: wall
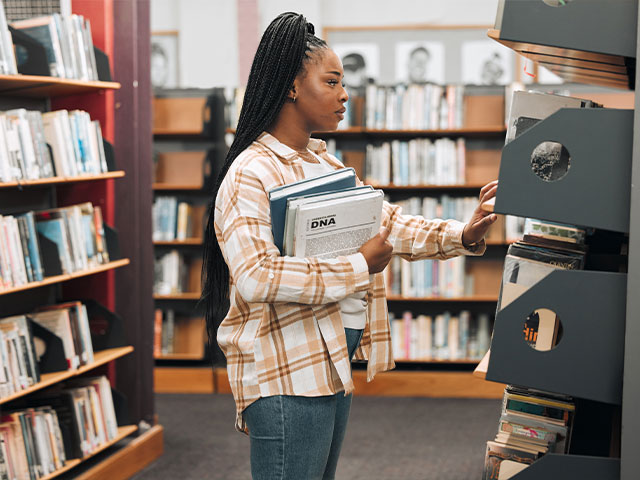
[209,30]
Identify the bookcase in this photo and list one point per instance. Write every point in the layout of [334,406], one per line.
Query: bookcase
[598,356]
[117,284]
[188,146]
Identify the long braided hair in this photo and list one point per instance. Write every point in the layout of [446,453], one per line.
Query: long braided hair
[287,43]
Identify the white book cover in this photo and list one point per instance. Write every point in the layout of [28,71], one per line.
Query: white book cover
[54,134]
[333,228]
[294,203]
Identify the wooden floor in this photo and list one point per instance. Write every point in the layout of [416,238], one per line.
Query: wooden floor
[387,384]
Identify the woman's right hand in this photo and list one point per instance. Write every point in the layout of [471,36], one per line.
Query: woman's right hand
[377,251]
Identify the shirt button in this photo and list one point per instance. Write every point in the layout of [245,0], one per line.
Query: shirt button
[271,275]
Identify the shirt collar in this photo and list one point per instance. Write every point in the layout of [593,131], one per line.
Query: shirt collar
[317,146]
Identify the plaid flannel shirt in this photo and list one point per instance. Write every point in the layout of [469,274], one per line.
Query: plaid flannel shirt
[283,334]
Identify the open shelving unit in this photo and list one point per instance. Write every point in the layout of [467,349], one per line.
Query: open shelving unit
[129,367]
[598,358]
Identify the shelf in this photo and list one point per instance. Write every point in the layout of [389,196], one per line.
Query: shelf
[66,277]
[586,42]
[571,467]
[177,243]
[400,188]
[179,296]
[477,298]
[123,432]
[167,186]
[462,361]
[62,180]
[180,356]
[41,86]
[48,379]
[184,380]
[363,131]
[588,360]
[179,133]
[598,140]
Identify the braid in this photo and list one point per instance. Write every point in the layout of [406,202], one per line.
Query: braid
[287,43]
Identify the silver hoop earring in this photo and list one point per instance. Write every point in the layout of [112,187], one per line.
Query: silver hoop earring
[293,99]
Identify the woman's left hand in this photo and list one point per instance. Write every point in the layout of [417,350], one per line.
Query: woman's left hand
[476,229]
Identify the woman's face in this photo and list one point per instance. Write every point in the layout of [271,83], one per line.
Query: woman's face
[320,95]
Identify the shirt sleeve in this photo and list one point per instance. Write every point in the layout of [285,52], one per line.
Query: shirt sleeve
[417,238]
[260,274]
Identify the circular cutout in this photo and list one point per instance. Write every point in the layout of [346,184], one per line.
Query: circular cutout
[550,161]
[542,330]
[557,3]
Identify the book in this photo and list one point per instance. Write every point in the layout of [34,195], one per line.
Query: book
[337,227]
[497,453]
[294,202]
[44,31]
[335,180]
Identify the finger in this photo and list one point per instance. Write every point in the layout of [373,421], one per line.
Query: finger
[489,194]
[487,187]
[384,234]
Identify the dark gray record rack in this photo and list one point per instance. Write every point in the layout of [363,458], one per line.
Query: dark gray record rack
[598,357]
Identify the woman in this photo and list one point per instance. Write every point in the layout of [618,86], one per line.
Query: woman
[294,323]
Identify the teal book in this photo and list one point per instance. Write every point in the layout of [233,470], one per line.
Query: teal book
[335,180]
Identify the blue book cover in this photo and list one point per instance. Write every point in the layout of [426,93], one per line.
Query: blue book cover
[33,246]
[53,229]
[335,180]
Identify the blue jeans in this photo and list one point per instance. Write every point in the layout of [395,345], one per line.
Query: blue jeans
[299,438]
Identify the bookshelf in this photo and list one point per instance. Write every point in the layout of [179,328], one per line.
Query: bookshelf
[596,45]
[121,457]
[188,143]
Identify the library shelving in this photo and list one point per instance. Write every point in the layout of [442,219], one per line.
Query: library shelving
[188,136]
[598,358]
[139,439]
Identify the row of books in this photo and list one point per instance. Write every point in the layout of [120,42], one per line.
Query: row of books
[176,273]
[25,138]
[67,42]
[440,337]
[8,65]
[414,107]
[428,278]
[174,220]
[416,162]
[532,423]
[61,143]
[396,107]
[176,333]
[76,232]
[56,426]
[19,368]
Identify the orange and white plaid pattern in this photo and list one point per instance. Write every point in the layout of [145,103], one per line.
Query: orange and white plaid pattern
[283,334]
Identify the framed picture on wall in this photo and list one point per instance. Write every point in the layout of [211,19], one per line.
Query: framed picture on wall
[361,63]
[431,53]
[164,59]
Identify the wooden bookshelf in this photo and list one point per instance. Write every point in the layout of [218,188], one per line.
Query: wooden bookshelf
[492,130]
[400,188]
[178,243]
[462,361]
[123,432]
[179,356]
[179,296]
[69,276]
[169,186]
[62,180]
[184,379]
[470,299]
[48,379]
[41,86]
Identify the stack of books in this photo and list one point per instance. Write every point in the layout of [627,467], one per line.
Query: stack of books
[176,273]
[325,216]
[532,423]
[68,43]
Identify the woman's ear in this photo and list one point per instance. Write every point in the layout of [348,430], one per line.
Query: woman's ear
[293,92]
